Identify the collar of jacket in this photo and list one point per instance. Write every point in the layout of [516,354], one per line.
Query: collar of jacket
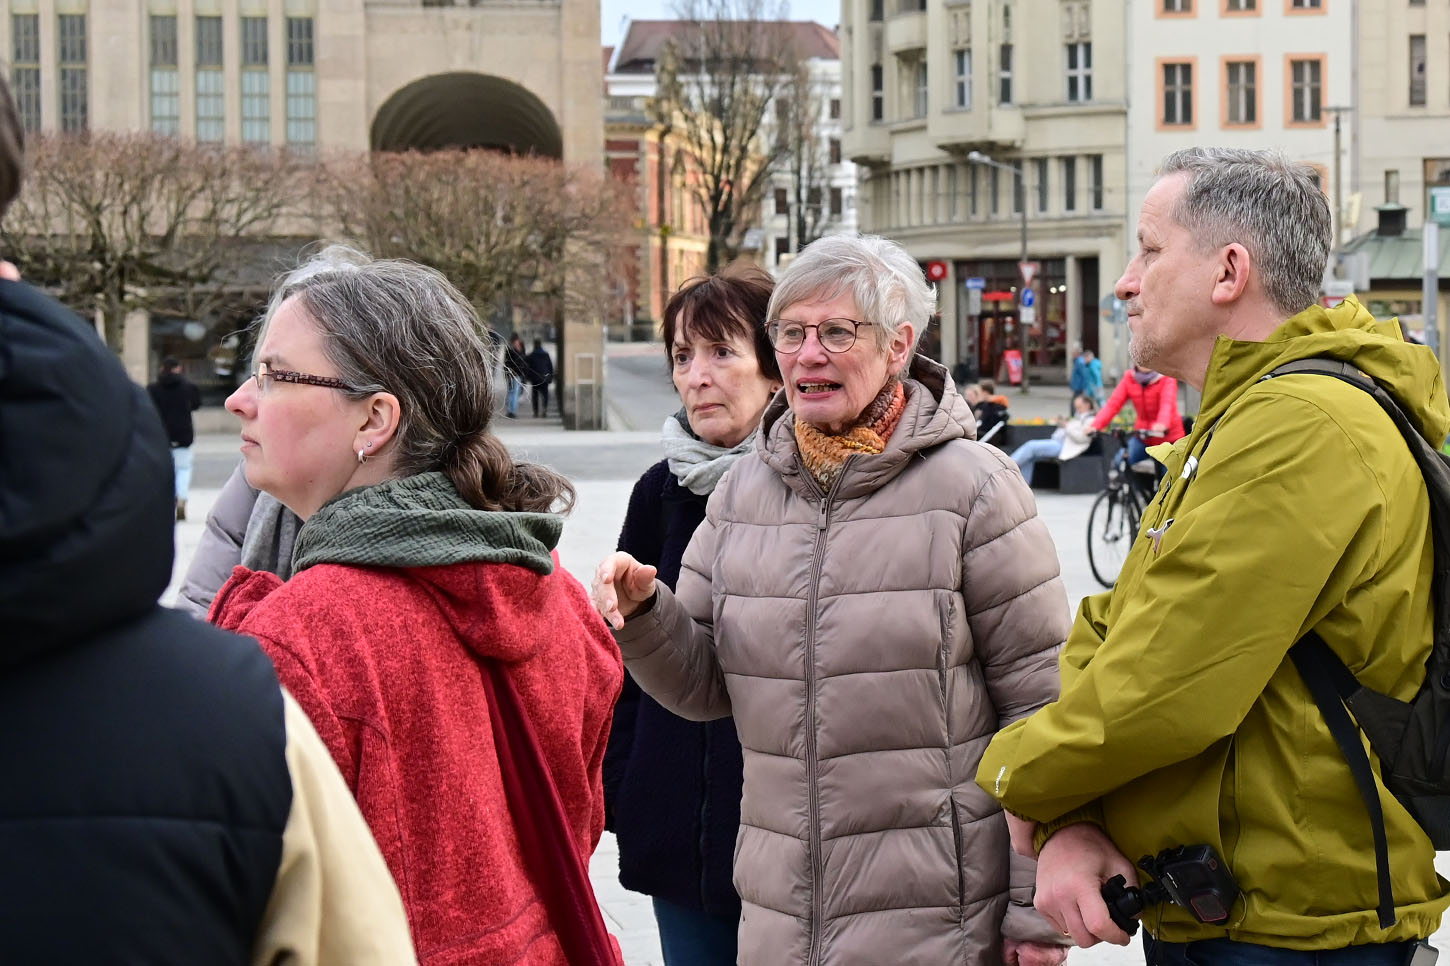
[935,413]
[1347,332]
[421,521]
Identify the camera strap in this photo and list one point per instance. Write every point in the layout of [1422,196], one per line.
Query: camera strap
[1331,684]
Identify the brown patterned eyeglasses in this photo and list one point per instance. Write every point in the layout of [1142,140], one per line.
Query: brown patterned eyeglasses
[265,374]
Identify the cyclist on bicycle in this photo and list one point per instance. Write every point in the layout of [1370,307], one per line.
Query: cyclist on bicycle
[1155,401]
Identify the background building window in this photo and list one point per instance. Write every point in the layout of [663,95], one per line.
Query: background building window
[1177,6]
[878,7]
[972,190]
[1177,94]
[835,109]
[25,68]
[1242,101]
[1095,172]
[782,201]
[837,202]
[833,150]
[994,187]
[1305,4]
[1004,74]
[1079,72]
[782,247]
[878,94]
[1417,70]
[1069,184]
[165,85]
[74,102]
[301,84]
[1240,6]
[210,88]
[256,85]
[919,102]
[1040,173]
[1392,187]
[1018,187]
[963,62]
[1306,90]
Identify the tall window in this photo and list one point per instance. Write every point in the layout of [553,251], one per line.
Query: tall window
[837,202]
[1242,103]
[301,84]
[963,85]
[835,107]
[1177,6]
[994,188]
[1040,175]
[1417,70]
[1069,184]
[972,190]
[1095,172]
[74,103]
[1080,72]
[833,150]
[878,7]
[1177,94]
[256,86]
[782,201]
[165,86]
[1018,188]
[1392,186]
[25,68]
[919,104]
[1306,90]
[1004,74]
[878,94]
[210,89]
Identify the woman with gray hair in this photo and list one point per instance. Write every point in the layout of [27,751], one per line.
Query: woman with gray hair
[872,596]
[459,678]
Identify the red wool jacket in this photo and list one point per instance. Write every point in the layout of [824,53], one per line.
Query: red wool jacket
[386,663]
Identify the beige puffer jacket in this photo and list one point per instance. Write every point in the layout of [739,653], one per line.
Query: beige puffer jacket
[868,646]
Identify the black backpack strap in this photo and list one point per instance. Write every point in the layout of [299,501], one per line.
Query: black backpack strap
[1332,684]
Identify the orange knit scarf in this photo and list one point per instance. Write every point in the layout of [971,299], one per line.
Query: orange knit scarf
[825,454]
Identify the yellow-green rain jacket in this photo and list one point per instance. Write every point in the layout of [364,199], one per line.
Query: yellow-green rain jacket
[1182,720]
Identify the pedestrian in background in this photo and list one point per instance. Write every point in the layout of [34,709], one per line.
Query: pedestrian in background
[176,398]
[164,802]
[459,677]
[872,596]
[672,786]
[1087,376]
[516,368]
[541,374]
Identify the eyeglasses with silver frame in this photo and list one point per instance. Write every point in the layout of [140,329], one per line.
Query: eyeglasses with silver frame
[835,335]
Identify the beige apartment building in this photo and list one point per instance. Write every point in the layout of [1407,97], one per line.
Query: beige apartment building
[933,89]
[321,75]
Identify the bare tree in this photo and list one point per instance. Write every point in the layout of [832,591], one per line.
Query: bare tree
[126,221]
[503,229]
[716,82]
[807,159]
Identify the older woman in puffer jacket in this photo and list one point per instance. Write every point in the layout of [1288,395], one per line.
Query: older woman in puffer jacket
[872,596]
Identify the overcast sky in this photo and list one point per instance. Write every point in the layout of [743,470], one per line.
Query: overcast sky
[612,14]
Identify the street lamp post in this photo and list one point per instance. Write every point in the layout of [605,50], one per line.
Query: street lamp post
[977,157]
[1338,181]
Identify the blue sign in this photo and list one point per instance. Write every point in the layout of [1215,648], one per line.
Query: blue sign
[1028,299]
[976,283]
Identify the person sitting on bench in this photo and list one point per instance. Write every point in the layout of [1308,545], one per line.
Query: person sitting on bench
[1070,439]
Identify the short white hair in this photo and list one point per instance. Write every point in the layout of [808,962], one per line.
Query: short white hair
[885,282]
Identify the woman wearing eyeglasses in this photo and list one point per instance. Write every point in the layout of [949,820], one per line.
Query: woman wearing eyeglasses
[872,596]
[425,602]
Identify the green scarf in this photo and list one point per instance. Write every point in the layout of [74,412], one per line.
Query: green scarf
[421,521]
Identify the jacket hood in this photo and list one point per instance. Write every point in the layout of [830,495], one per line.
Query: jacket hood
[421,524]
[168,379]
[86,491]
[935,413]
[1347,332]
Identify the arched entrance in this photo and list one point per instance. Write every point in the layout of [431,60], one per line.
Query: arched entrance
[466,110]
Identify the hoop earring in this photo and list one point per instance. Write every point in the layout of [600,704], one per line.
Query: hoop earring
[362,456]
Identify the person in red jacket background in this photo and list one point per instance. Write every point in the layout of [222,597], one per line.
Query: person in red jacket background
[1155,401]
[423,575]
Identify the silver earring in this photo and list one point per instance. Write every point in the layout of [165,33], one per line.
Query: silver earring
[362,456]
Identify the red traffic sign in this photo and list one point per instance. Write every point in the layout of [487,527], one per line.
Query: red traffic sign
[936,271]
[1029,271]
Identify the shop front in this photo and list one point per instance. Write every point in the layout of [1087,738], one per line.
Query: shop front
[985,336]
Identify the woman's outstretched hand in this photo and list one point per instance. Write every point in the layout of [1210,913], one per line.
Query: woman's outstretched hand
[622,585]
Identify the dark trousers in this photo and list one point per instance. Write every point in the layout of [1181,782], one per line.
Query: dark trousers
[689,937]
[541,399]
[1226,952]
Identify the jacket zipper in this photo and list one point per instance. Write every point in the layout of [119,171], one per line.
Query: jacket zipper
[823,520]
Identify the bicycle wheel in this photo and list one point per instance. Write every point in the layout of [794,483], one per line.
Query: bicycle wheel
[1112,526]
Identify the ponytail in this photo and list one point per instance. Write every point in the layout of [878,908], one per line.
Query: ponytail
[489,478]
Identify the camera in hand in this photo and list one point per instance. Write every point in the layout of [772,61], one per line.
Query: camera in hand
[1190,876]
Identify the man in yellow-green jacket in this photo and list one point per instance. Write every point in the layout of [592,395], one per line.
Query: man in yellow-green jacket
[1294,505]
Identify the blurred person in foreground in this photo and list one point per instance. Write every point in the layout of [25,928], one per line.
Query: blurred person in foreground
[872,595]
[1294,506]
[425,601]
[165,802]
[673,786]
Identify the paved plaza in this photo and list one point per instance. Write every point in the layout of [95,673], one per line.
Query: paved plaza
[604,467]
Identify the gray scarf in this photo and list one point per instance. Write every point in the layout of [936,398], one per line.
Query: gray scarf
[697,464]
